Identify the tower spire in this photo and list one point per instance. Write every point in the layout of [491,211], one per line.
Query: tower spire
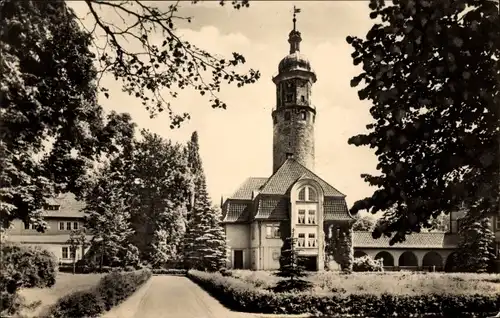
[295,11]
[294,37]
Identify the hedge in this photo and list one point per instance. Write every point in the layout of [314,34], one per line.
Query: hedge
[111,291]
[239,296]
[169,271]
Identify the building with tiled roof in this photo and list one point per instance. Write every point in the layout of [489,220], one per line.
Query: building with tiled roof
[63,214]
[262,211]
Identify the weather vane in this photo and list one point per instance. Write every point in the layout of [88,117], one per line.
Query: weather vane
[295,11]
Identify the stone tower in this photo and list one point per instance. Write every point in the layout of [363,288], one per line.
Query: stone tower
[294,115]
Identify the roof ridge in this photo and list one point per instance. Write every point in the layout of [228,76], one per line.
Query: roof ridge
[317,176]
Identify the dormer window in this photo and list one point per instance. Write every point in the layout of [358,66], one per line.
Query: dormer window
[52,207]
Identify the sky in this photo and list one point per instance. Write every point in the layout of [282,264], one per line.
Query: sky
[236,143]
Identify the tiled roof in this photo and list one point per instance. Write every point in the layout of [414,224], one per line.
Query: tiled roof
[272,208]
[289,172]
[415,240]
[246,189]
[69,206]
[41,238]
[336,209]
[236,211]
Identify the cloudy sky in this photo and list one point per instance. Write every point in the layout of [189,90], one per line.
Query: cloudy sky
[237,143]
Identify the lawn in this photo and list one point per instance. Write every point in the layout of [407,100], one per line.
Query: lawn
[397,283]
[66,283]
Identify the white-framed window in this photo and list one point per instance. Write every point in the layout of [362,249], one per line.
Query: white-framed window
[68,226]
[65,252]
[308,193]
[273,231]
[301,242]
[61,226]
[301,217]
[29,226]
[311,217]
[311,240]
[302,194]
[75,225]
[313,196]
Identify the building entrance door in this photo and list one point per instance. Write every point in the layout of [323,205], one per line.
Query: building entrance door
[238,259]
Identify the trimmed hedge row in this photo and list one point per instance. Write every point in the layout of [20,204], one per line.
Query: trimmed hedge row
[169,271]
[111,290]
[239,296]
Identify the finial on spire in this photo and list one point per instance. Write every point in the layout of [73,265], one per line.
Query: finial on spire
[295,11]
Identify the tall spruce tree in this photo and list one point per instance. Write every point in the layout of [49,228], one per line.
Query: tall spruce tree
[205,242]
[475,251]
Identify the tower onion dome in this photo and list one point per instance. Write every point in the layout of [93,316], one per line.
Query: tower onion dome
[295,60]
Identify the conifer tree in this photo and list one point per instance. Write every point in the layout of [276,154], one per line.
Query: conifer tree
[475,251]
[291,268]
[205,243]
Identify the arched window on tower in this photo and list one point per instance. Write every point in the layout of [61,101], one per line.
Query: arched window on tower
[302,98]
[303,115]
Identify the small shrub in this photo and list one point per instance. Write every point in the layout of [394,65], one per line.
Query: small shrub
[225,272]
[79,304]
[367,264]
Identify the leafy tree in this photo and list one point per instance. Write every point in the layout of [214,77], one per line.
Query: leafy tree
[109,221]
[77,240]
[159,187]
[169,65]
[475,251]
[364,224]
[431,72]
[51,127]
[441,223]
[205,241]
[291,268]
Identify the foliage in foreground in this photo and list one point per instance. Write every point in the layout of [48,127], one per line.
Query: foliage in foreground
[430,72]
[367,264]
[23,267]
[239,296]
[111,291]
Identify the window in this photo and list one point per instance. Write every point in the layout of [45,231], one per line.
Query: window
[75,225]
[61,226]
[273,231]
[72,253]
[26,226]
[302,194]
[68,226]
[313,196]
[497,228]
[52,207]
[287,116]
[497,249]
[301,242]
[311,242]
[289,97]
[303,115]
[303,99]
[65,252]
[302,217]
[311,217]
